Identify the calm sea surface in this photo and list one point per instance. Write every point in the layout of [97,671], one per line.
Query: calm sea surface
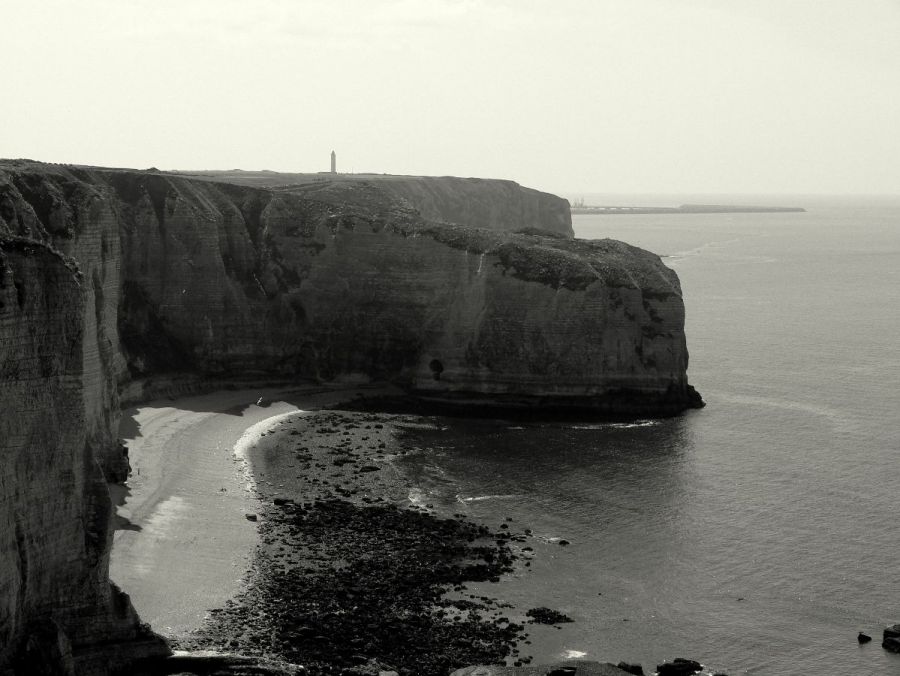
[757,535]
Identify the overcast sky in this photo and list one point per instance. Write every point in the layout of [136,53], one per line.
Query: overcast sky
[756,96]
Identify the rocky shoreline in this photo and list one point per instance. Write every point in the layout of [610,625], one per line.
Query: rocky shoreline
[351,578]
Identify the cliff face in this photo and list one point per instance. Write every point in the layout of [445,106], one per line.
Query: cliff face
[56,602]
[327,280]
[78,219]
[344,278]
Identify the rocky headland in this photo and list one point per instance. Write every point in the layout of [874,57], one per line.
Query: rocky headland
[110,279]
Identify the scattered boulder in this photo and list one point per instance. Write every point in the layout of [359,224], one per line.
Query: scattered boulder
[863,638]
[635,669]
[250,517]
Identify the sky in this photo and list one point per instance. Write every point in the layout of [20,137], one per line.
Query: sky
[624,96]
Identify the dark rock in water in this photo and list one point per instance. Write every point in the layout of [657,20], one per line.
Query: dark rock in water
[250,517]
[891,644]
[635,669]
[863,638]
[563,543]
[891,640]
[563,671]
[369,468]
[678,667]
[547,616]
[280,502]
[892,632]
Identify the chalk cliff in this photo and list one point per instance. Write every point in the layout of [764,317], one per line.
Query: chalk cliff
[52,205]
[331,279]
[324,280]
[58,610]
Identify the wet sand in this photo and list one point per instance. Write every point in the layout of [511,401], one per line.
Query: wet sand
[184,543]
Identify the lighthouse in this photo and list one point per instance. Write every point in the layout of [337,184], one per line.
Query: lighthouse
[333,163]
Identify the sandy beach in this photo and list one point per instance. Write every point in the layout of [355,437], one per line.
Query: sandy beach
[264,523]
[184,543]
[349,573]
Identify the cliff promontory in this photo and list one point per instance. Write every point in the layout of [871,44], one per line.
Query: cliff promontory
[108,276]
[337,279]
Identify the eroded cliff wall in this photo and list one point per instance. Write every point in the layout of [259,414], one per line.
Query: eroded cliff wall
[57,607]
[340,278]
[76,216]
[325,281]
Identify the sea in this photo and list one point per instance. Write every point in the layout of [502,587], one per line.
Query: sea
[757,535]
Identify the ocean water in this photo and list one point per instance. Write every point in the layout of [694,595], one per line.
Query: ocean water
[757,535]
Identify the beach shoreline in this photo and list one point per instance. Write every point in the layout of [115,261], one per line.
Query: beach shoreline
[328,558]
[349,573]
[182,542]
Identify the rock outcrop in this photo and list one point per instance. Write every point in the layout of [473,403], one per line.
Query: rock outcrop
[58,610]
[327,280]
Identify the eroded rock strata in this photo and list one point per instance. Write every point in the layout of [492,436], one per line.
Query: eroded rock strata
[325,281]
[58,610]
[345,279]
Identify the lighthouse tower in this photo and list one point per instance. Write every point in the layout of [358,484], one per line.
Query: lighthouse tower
[333,163]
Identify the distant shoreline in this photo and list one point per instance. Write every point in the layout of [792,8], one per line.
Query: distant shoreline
[684,209]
